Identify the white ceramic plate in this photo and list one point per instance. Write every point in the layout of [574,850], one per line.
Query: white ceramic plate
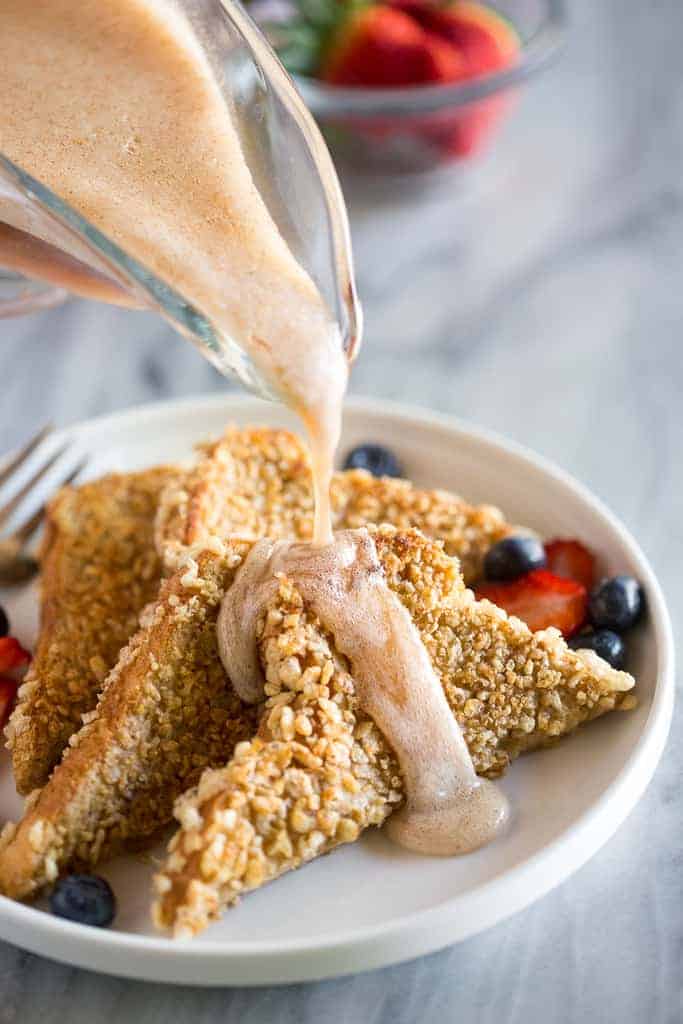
[372,904]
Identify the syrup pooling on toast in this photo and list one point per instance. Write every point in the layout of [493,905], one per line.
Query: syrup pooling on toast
[448,810]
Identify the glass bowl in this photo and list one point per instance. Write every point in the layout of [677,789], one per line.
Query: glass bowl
[408,131]
[20,295]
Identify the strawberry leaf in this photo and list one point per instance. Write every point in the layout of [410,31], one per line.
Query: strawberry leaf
[319,13]
[298,46]
[301,40]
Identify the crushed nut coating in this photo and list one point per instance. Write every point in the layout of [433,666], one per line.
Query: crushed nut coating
[99,570]
[319,771]
[166,712]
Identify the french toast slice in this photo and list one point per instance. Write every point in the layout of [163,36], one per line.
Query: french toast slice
[99,570]
[254,482]
[319,771]
[257,482]
[166,712]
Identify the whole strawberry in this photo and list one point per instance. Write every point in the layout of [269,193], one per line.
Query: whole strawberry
[383,47]
[485,39]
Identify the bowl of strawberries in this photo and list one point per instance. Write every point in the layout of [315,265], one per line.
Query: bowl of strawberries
[407,86]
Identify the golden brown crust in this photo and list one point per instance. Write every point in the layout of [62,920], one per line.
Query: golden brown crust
[467,531]
[99,569]
[257,482]
[253,482]
[319,771]
[166,712]
[82,821]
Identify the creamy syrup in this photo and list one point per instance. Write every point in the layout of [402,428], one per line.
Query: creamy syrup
[26,254]
[448,810]
[115,107]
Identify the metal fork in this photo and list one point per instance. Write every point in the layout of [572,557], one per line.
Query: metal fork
[16,565]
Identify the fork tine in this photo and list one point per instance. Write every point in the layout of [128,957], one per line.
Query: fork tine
[27,529]
[76,472]
[7,509]
[21,456]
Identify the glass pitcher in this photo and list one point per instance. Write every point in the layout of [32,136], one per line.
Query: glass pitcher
[289,164]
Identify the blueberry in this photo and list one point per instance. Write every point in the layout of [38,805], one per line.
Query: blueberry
[605,642]
[87,899]
[375,458]
[513,557]
[4,622]
[616,603]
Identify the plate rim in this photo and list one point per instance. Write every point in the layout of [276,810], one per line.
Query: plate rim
[432,928]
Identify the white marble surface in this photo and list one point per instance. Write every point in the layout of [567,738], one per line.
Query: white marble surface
[549,308]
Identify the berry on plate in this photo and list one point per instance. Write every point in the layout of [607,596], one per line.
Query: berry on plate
[605,642]
[616,603]
[12,657]
[374,458]
[8,692]
[540,599]
[86,899]
[4,622]
[513,557]
[571,559]
[12,654]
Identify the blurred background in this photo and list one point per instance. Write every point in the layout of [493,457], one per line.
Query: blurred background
[541,296]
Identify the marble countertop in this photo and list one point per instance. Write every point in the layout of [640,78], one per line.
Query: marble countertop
[547,303]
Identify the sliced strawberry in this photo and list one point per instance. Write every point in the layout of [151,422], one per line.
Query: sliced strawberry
[572,560]
[8,692]
[12,654]
[384,47]
[540,599]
